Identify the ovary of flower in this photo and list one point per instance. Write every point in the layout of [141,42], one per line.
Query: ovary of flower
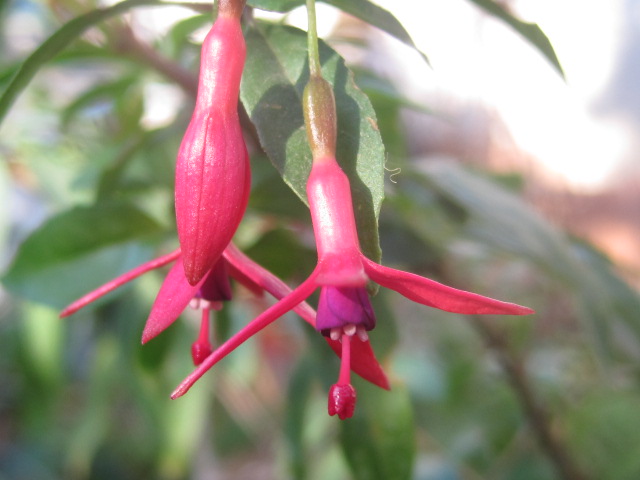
[212,170]
[341,264]
[176,294]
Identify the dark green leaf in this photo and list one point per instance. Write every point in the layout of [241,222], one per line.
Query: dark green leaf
[78,250]
[363,9]
[530,31]
[274,78]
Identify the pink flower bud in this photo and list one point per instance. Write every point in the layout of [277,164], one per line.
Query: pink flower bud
[212,170]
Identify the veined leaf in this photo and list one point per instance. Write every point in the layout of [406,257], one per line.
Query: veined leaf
[363,9]
[530,31]
[275,75]
[92,243]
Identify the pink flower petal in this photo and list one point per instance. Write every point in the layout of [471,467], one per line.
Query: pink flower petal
[173,297]
[436,295]
[119,281]
[261,321]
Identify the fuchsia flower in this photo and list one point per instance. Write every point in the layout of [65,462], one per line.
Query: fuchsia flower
[212,169]
[342,272]
[176,294]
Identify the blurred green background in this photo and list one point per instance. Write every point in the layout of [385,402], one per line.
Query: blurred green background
[86,183]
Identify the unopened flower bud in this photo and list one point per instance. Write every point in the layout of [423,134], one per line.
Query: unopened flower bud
[212,169]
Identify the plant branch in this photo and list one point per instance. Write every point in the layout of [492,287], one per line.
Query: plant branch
[538,417]
[128,44]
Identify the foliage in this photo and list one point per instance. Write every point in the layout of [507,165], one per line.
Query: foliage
[82,399]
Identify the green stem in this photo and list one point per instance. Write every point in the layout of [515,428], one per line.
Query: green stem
[312,40]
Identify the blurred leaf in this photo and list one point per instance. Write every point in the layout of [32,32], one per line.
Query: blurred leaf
[299,391]
[530,31]
[108,91]
[43,342]
[279,251]
[605,432]
[92,420]
[274,78]
[89,243]
[379,441]
[605,301]
[181,30]
[55,44]
[363,9]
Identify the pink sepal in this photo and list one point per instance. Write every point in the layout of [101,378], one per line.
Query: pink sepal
[173,297]
[255,277]
[436,295]
[267,317]
[118,282]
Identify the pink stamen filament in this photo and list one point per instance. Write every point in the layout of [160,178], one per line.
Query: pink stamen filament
[345,365]
[204,337]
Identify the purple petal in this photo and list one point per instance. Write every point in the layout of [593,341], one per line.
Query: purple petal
[436,295]
[216,286]
[340,306]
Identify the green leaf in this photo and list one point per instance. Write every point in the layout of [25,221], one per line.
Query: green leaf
[78,250]
[599,425]
[379,441]
[363,9]
[108,91]
[530,31]
[274,78]
[58,42]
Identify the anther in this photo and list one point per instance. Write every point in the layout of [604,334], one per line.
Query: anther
[362,333]
[349,329]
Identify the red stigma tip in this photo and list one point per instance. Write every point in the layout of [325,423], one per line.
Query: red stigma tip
[342,400]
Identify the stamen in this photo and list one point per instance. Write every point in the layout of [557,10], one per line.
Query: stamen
[335,333]
[201,348]
[342,395]
[345,364]
[361,332]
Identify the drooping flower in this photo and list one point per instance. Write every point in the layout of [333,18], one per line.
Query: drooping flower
[342,272]
[212,168]
[176,294]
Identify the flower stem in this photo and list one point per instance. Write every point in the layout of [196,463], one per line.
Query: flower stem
[312,40]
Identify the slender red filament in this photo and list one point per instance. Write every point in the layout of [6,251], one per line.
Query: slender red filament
[345,365]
